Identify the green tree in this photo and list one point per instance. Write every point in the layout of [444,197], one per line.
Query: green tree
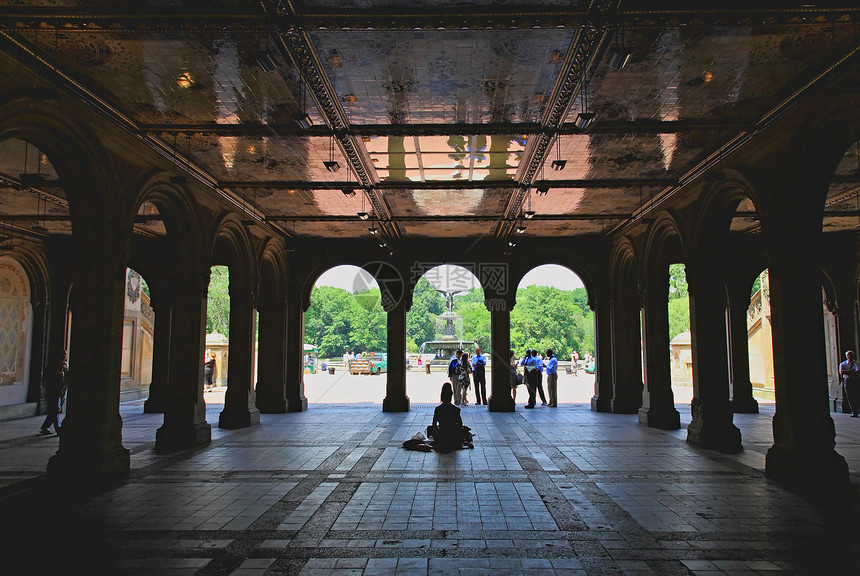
[337,320]
[218,301]
[679,300]
[547,317]
[476,317]
[427,303]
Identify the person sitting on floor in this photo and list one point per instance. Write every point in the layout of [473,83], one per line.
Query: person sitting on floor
[447,431]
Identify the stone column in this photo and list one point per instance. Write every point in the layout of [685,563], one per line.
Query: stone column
[185,423]
[500,371]
[272,357]
[803,454]
[91,455]
[711,424]
[658,402]
[295,385]
[396,399]
[742,400]
[627,353]
[159,388]
[240,406]
[602,399]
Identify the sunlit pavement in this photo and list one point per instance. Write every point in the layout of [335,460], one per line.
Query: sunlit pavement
[422,388]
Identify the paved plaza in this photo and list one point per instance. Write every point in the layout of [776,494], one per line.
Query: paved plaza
[330,491]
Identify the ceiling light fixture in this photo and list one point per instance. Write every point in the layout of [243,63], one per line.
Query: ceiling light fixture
[301,117]
[374,231]
[521,229]
[585,118]
[542,189]
[620,53]
[363,215]
[558,164]
[331,164]
[349,192]
[511,243]
[529,214]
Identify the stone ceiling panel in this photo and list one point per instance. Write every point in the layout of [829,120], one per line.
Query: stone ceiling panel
[442,76]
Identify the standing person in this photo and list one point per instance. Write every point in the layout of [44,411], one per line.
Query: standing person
[464,368]
[209,369]
[552,378]
[850,371]
[530,377]
[347,359]
[538,364]
[54,389]
[479,376]
[515,376]
[574,358]
[452,376]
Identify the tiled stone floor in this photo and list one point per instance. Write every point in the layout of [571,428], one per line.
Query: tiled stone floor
[330,491]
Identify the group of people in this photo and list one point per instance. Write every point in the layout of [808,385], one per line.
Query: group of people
[464,369]
[534,366]
[55,396]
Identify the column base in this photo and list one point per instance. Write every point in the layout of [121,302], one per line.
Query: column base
[819,476]
[400,404]
[271,405]
[744,405]
[153,406]
[297,404]
[626,405]
[502,404]
[724,438]
[175,438]
[231,419]
[664,419]
[600,404]
[88,471]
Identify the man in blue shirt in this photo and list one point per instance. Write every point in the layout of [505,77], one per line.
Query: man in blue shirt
[538,364]
[552,378]
[529,377]
[479,363]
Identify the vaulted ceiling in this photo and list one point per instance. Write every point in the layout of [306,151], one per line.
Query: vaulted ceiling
[444,118]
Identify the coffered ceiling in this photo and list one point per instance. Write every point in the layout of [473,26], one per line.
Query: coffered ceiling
[445,118]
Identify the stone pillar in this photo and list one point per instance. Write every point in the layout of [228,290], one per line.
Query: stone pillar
[602,399]
[711,424]
[91,455]
[627,353]
[240,406]
[185,423]
[658,402]
[159,388]
[40,368]
[803,454]
[742,400]
[272,356]
[396,399]
[295,385]
[500,371]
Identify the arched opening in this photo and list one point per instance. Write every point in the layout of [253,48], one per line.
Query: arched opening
[552,312]
[680,338]
[138,329]
[345,338]
[448,315]
[16,325]
[217,349]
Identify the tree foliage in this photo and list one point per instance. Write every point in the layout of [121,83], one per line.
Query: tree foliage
[679,300]
[337,320]
[218,301]
[547,317]
[427,303]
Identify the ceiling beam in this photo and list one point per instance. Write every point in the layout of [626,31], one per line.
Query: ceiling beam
[640,15]
[626,183]
[619,127]
[449,218]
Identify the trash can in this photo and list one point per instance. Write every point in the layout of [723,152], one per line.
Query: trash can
[331,369]
[427,367]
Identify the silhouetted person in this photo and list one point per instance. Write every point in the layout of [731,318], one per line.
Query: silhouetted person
[447,424]
[55,387]
[850,371]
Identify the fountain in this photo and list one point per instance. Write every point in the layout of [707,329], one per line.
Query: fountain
[448,326]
